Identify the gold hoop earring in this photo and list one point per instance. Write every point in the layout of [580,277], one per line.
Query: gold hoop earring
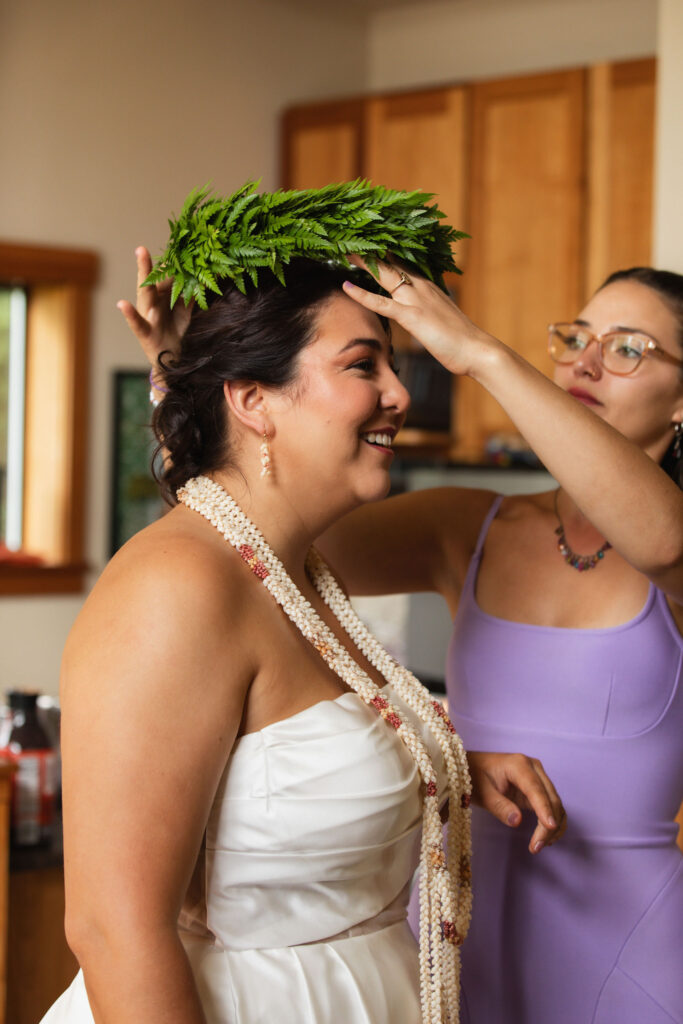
[266,461]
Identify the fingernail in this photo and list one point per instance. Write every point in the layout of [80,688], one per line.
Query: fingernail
[539,846]
[512,818]
[551,822]
[348,284]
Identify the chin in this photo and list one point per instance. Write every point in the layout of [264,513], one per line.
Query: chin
[375,490]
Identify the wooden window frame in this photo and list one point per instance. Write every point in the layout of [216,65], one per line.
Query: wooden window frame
[59,285]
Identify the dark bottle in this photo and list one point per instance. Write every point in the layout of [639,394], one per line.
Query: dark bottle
[34,782]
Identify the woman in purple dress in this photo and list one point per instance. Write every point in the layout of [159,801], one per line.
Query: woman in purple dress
[568,612]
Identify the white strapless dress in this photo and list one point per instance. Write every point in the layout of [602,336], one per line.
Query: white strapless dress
[297,911]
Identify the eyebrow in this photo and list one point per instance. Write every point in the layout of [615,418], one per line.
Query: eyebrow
[372,343]
[617,327]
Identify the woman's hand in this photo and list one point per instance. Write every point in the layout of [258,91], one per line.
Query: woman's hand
[157,327]
[506,784]
[428,314]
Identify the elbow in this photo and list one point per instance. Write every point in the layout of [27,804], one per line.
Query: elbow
[667,572]
[99,930]
[669,553]
[86,933]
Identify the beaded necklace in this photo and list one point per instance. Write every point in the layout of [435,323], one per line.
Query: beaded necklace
[445,876]
[578,562]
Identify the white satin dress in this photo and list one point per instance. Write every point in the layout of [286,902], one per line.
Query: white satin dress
[297,911]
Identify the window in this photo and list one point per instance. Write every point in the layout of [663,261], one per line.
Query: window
[12,395]
[44,325]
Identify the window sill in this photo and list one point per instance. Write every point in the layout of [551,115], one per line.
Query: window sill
[39,580]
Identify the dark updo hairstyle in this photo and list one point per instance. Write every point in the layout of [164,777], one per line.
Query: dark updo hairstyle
[257,337]
[669,287]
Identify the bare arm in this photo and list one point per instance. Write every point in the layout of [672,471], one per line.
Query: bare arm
[149,717]
[618,487]
[406,544]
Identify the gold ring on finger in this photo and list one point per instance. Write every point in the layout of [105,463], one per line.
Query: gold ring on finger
[404,279]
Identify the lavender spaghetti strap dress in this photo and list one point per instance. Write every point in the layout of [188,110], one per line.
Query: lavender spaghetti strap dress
[591,930]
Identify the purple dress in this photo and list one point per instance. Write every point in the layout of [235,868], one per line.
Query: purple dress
[589,931]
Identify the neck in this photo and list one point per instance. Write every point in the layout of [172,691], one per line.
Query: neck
[289,521]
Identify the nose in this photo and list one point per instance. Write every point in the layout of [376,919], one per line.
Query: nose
[395,395]
[588,363]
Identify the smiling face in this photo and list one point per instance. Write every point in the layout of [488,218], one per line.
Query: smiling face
[333,432]
[642,406]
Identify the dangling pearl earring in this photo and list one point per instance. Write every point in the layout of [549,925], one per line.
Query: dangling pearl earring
[678,440]
[266,463]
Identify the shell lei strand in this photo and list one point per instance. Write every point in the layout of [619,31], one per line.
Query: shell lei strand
[445,877]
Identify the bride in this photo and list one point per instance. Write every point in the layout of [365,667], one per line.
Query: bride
[249,780]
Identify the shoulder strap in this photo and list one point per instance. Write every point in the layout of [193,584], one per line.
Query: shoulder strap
[488,519]
[473,567]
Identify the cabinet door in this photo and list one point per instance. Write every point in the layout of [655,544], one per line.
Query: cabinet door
[526,193]
[621,117]
[418,141]
[40,964]
[322,143]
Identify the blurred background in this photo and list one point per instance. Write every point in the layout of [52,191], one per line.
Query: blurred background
[112,113]
[550,130]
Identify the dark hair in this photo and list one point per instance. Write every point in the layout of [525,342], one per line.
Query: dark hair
[254,336]
[669,287]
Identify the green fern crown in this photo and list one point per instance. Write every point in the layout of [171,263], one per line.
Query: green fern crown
[231,239]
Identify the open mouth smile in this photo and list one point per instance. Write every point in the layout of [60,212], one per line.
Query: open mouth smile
[378,439]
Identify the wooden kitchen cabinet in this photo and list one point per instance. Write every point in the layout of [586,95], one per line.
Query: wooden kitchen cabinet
[621,112]
[551,174]
[322,142]
[418,141]
[40,964]
[526,193]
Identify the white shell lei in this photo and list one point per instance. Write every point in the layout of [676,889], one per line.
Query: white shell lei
[445,878]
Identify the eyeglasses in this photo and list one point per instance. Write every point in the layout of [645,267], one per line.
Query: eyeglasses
[620,352]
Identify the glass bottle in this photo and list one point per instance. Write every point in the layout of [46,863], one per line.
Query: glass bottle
[27,745]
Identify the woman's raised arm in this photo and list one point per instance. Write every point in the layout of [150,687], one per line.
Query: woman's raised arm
[619,488]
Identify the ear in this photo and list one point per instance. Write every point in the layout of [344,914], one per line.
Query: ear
[248,403]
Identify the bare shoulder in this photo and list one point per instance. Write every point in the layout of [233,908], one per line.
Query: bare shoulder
[519,508]
[180,560]
[174,589]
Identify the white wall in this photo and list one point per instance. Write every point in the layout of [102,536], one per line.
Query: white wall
[111,112]
[443,41]
[668,218]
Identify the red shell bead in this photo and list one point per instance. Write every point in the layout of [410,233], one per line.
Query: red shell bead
[465,800]
[246,552]
[393,719]
[450,934]
[260,570]
[380,703]
[431,788]
[439,708]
